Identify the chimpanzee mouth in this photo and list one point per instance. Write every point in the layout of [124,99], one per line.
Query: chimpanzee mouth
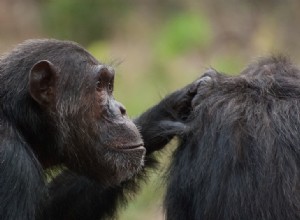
[132,147]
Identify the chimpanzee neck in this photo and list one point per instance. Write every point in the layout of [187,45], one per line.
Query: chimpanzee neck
[34,128]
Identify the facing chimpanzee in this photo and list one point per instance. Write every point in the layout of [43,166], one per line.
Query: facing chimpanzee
[57,108]
[240,155]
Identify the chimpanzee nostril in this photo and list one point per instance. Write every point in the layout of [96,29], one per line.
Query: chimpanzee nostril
[122,109]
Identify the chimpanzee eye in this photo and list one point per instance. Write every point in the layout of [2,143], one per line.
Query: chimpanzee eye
[98,84]
[110,87]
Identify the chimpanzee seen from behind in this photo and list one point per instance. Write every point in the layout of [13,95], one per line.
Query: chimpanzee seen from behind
[239,158]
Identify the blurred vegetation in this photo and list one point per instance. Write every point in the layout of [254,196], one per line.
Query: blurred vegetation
[181,33]
[82,21]
[158,46]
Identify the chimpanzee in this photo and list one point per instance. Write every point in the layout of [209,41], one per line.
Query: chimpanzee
[57,110]
[239,156]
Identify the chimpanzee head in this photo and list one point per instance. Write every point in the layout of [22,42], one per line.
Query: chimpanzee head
[61,100]
[239,156]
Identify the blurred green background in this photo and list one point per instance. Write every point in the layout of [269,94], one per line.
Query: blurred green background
[157,46]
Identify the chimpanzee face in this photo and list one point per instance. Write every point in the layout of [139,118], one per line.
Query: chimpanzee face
[94,135]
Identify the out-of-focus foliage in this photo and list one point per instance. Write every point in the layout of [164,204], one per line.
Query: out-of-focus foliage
[181,33]
[231,64]
[83,21]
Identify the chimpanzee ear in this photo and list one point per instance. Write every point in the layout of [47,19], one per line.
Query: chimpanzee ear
[42,82]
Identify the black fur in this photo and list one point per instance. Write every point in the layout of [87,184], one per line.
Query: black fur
[240,157]
[54,113]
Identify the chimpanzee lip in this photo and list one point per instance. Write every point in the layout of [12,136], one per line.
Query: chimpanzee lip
[132,147]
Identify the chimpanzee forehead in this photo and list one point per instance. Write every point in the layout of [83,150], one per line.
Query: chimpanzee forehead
[99,67]
[95,69]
